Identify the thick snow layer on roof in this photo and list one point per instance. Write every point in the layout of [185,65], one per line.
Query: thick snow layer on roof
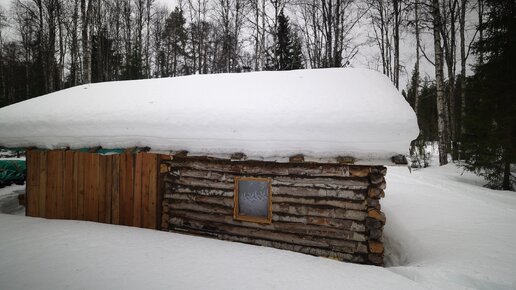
[319,113]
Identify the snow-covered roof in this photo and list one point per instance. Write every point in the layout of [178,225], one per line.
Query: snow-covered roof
[319,113]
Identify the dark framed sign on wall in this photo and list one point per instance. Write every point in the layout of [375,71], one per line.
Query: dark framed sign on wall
[253,199]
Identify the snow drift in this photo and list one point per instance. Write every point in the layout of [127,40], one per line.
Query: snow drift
[319,113]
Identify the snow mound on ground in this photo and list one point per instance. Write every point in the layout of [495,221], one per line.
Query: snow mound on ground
[445,231]
[51,254]
[319,113]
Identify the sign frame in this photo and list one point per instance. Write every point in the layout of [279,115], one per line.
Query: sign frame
[256,219]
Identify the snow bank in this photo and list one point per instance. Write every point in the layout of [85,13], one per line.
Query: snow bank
[51,254]
[319,113]
[445,231]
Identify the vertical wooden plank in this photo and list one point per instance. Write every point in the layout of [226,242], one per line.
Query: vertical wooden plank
[59,185]
[68,184]
[160,218]
[122,195]
[29,182]
[28,193]
[82,157]
[129,188]
[153,191]
[115,190]
[42,183]
[109,188]
[137,210]
[91,208]
[75,185]
[102,189]
[51,197]
[95,164]
[145,190]
[32,184]
[87,186]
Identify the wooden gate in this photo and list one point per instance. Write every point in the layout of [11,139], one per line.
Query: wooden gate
[115,189]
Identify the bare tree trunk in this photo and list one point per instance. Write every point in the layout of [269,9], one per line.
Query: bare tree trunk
[416,68]
[480,30]
[86,42]
[439,79]
[62,52]
[262,43]
[51,45]
[41,46]
[147,40]
[396,43]
[462,65]
[450,44]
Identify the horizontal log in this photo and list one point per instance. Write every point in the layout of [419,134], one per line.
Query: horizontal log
[357,258]
[276,217]
[200,207]
[325,183]
[199,186]
[224,181]
[262,167]
[375,192]
[337,203]
[371,223]
[375,247]
[379,169]
[359,171]
[377,215]
[376,178]
[203,183]
[199,191]
[313,241]
[297,210]
[319,212]
[374,203]
[196,198]
[344,194]
[229,201]
[375,259]
[375,234]
[304,230]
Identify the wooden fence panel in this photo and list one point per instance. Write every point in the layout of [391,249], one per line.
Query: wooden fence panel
[137,206]
[152,160]
[80,184]
[68,185]
[33,179]
[42,183]
[117,189]
[75,188]
[102,189]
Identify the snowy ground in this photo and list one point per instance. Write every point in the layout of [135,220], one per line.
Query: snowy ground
[444,231]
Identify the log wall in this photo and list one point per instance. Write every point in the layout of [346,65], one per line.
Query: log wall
[116,189]
[330,210]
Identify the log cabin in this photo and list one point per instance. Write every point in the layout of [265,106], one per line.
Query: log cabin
[292,160]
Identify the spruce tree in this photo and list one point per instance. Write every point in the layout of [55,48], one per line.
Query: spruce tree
[288,46]
[490,124]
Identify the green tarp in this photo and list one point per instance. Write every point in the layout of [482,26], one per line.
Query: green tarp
[12,171]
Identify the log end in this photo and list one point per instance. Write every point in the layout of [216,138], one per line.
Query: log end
[375,247]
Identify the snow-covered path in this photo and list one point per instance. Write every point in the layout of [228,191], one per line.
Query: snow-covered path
[443,231]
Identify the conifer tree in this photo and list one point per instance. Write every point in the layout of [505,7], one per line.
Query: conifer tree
[288,46]
[490,138]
